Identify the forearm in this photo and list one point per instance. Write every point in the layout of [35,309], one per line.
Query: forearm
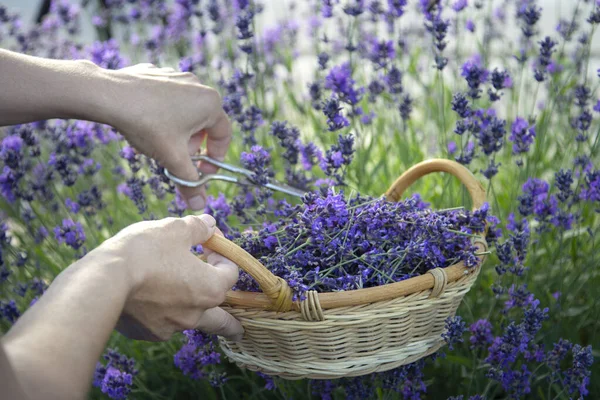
[33,89]
[55,345]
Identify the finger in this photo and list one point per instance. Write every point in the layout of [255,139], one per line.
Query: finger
[219,322]
[200,228]
[195,142]
[225,268]
[181,166]
[218,138]
[144,65]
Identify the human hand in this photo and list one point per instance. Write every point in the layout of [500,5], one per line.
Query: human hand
[167,115]
[170,288]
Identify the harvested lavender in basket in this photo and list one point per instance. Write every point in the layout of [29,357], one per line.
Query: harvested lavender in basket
[330,243]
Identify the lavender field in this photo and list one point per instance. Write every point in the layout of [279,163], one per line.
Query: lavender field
[338,98]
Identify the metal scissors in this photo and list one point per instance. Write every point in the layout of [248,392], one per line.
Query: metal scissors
[244,178]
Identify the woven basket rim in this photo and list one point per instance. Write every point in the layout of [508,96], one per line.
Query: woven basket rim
[278,295]
[355,297]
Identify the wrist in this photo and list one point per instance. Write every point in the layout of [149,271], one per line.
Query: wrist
[90,94]
[108,269]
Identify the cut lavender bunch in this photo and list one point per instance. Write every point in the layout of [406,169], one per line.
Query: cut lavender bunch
[333,243]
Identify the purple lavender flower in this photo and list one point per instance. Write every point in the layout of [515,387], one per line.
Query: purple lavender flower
[258,161]
[452,147]
[405,107]
[367,119]
[475,75]
[460,105]
[591,188]
[459,5]
[354,8]
[89,167]
[382,52]
[178,206]
[310,155]
[529,15]
[499,80]
[72,206]
[563,180]
[327,8]
[470,25]
[339,80]
[393,80]
[466,156]
[522,135]
[578,376]
[322,59]
[314,91]
[11,151]
[481,334]
[375,88]
[116,384]
[63,164]
[337,157]
[134,189]
[566,28]
[9,311]
[220,210]
[455,328]
[244,25]
[335,120]
[534,192]
[197,353]
[396,7]
[544,60]
[70,233]
[489,130]
[249,121]
[519,297]
[288,139]
[116,377]
[107,55]
[594,18]
[438,29]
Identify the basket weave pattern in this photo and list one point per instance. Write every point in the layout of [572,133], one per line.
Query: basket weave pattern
[351,333]
[351,341]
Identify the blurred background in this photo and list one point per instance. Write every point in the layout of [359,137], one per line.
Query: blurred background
[553,10]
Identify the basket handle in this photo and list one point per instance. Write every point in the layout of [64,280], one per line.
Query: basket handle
[476,190]
[276,288]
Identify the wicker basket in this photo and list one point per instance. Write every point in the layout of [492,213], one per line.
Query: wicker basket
[350,333]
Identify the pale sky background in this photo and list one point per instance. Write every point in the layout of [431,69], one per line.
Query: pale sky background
[551,9]
[276,9]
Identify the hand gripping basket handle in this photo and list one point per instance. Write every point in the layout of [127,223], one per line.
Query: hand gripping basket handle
[277,289]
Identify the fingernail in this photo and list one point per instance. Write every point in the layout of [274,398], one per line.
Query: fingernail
[208,220]
[196,203]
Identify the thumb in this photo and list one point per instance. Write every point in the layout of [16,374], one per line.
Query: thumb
[200,228]
[219,322]
[181,166]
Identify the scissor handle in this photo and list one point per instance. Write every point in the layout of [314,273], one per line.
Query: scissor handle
[245,173]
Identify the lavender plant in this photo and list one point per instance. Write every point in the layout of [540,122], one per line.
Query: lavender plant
[344,94]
